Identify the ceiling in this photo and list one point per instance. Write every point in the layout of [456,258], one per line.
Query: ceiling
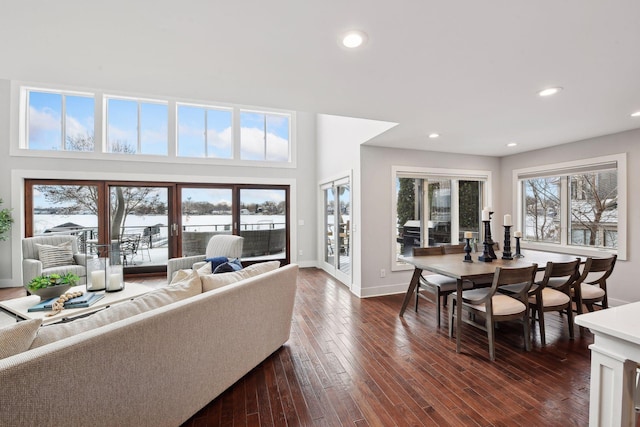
[469,70]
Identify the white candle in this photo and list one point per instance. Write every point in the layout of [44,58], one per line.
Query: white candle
[485,214]
[517,234]
[468,235]
[507,220]
[97,279]
[114,282]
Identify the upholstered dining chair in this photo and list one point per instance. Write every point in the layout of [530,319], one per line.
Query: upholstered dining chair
[227,245]
[49,254]
[553,293]
[497,307]
[437,286]
[591,286]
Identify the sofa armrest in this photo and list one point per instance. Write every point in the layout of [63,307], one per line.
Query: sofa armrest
[175,264]
[30,268]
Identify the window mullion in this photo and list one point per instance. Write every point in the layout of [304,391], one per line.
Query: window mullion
[206,129]
[63,122]
[565,211]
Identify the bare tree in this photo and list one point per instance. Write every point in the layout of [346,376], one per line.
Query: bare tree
[594,203]
[542,205]
[123,200]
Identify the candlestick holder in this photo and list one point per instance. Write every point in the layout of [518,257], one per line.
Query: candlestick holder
[485,257]
[487,237]
[467,251]
[518,254]
[506,253]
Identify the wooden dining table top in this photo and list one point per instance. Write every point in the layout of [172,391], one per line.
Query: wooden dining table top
[452,265]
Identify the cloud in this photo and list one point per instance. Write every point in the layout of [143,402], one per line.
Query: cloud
[253,146]
[42,123]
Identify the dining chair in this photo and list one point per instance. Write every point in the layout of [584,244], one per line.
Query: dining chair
[591,286]
[553,293]
[497,307]
[437,285]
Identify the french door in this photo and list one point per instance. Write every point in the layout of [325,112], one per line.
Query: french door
[337,248]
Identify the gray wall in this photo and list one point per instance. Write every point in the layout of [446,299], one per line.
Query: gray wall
[303,178]
[376,199]
[623,286]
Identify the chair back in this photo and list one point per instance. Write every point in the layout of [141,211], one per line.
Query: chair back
[563,274]
[30,250]
[453,249]
[228,245]
[515,276]
[429,250]
[597,265]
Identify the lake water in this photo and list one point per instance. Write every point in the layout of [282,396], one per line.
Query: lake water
[136,224]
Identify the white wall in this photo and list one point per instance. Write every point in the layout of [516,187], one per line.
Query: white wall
[623,286]
[302,179]
[376,201]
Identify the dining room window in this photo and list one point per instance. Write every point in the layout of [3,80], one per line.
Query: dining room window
[435,207]
[574,206]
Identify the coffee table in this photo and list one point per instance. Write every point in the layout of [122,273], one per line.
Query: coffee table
[18,307]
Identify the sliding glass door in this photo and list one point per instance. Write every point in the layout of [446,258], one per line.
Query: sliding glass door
[153,222]
[337,229]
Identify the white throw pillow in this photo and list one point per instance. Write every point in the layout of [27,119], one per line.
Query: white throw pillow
[55,256]
[214,281]
[186,288]
[16,338]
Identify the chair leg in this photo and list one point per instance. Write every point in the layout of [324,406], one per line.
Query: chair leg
[570,321]
[543,337]
[438,306]
[452,310]
[491,337]
[527,331]
[417,295]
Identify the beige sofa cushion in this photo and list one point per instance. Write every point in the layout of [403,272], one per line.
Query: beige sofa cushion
[18,337]
[214,281]
[189,286]
[55,256]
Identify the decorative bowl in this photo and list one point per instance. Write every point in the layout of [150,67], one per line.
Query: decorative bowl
[50,292]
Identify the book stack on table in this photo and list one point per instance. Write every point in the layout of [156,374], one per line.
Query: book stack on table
[85,300]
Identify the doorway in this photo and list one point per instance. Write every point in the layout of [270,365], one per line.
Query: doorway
[337,248]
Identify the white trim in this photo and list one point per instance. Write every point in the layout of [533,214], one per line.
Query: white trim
[18,177]
[621,161]
[421,172]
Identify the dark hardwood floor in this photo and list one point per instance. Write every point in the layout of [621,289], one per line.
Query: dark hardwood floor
[353,361]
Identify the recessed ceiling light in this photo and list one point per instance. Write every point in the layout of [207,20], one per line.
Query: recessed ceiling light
[549,91]
[636,114]
[512,144]
[434,135]
[353,39]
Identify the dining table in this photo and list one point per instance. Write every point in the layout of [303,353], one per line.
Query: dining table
[454,266]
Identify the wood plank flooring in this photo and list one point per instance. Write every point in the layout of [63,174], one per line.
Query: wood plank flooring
[354,362]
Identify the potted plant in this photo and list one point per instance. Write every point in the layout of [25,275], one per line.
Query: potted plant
[52,285]
[5,221]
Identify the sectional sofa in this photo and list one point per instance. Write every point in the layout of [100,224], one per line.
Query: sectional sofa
[150,363]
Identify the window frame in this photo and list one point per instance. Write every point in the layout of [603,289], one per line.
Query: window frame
[563,170]
[19,128]
[458,175]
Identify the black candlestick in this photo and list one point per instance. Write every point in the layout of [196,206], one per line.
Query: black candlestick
[506,253]
[518,254]
[488,239]
[467,251]
[488,244]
